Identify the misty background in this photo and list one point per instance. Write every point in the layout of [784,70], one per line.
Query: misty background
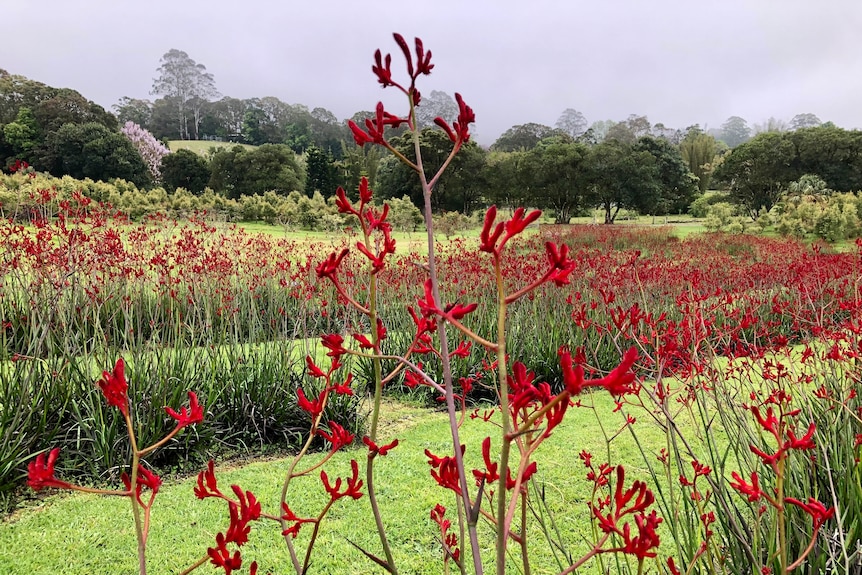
[678,63]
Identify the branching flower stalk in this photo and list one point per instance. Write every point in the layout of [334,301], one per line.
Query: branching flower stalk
[115,389]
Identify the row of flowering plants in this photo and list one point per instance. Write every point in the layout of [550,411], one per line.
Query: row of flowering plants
[728,496]
[528,409]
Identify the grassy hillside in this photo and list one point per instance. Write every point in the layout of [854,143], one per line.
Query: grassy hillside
[201,146]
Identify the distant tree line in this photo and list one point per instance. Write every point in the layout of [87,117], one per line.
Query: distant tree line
[569,169]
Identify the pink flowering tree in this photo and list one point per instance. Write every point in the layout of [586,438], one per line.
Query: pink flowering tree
[151,149]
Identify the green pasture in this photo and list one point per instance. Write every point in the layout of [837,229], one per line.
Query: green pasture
[83,534]
[203,147]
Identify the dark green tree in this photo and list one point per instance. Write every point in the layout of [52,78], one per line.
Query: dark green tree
[832,153]
[23,135]
[677,185]
[238,171]
[622,177]
[559,177]
[185,169]
[756,173]
[523,137]
[321,173]
[96,152]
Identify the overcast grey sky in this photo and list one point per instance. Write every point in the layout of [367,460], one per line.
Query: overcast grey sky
[678,62]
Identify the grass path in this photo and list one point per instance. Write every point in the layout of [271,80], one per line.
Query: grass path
[82,534]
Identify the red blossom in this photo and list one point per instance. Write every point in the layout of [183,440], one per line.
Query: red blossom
[804,442]
[40,473]
[454,311]
[329,267]
[818,512]
[489,241]
[490,474]
[618,382]
[337,436]
[194,413]
[751,490]
[289,515]
[220,556]
[381,450]
[383,68]
[313,408]
[115,387]
[354,484]
[313,370]
[642,546]
[335,344]
[146,478]
[767,458]
[528,473]
[207,484]
[364,342]
[413,379]
[241,515]
[444,470]
[342,203]
[463,349]
[459,132]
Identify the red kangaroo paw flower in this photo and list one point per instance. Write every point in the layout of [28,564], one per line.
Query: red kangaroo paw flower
[221,557]
[490,474]
[463,349]
[40,473]
[344,388]
[335,344]
[751,490]
[207,484]
[423,59]
[364,191]
[329,267]
[465,118]
[399,39]
[647,539]
[115,388]
[359,135]
[364,342]
[313,370]
[337,436]
[289,515]
[818,512]
[354,484]
[342,203]
[313,408]
[804,442]
[383,68]
[146,478]
[487,237]
[573,376]
[194,413]
[381,450]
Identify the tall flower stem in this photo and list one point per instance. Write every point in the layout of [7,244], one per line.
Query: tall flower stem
[444,356]
[375,414]
[136,511]
[502,374]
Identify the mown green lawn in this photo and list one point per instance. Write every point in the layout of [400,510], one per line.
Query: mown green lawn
[82,534]
[202,147]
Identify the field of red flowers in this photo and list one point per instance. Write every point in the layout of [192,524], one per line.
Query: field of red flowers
[732,331]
